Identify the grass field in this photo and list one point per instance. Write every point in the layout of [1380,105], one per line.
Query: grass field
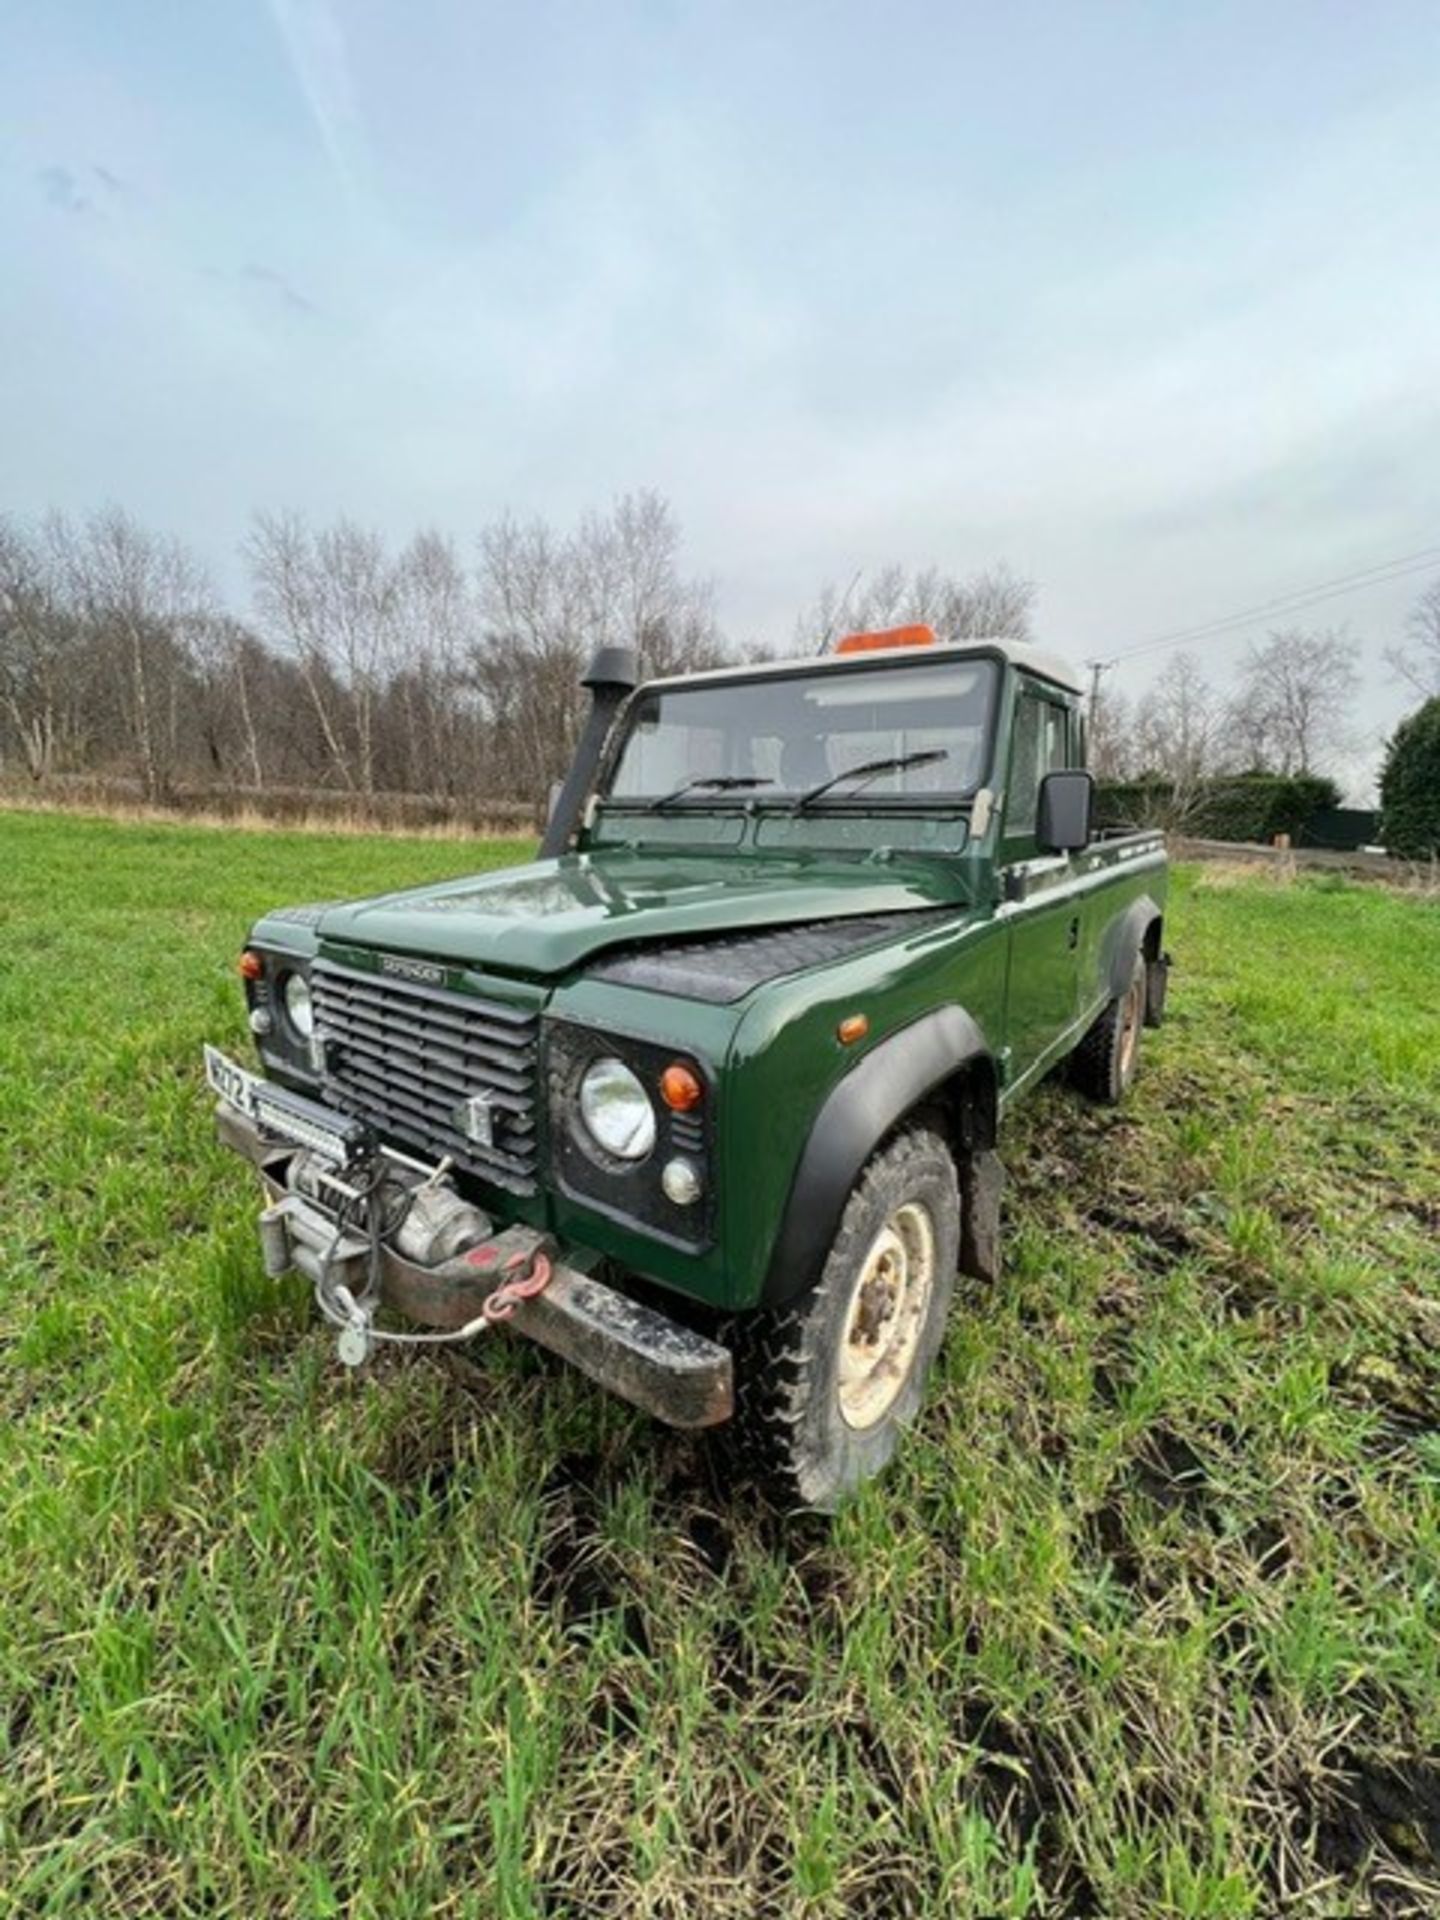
[1145,1621]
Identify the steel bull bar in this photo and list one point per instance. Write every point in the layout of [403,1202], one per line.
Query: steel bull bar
[673,1373]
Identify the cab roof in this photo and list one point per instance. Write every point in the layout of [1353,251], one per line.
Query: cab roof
[1017,653]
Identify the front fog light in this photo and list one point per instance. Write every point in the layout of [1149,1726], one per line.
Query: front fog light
[299,1009]
[681,1182]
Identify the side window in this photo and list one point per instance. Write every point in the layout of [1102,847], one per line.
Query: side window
[1023,791]
[1057,739]
[1040,744]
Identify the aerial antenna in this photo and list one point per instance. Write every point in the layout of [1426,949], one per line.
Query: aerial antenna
[835,618]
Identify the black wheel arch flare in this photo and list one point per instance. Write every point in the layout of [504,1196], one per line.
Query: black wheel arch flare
[927,1058]
[1136,930]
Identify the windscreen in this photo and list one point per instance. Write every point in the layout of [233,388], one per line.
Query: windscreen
[783,736]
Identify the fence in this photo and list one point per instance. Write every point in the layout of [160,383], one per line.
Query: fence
[281,806]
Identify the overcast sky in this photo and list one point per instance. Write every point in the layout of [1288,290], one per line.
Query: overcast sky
[1144,300]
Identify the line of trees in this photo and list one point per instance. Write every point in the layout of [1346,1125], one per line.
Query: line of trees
[365,668]
[994,603]
[368,668]
[1288,712]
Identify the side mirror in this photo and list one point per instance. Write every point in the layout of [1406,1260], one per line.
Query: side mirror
[1062,823]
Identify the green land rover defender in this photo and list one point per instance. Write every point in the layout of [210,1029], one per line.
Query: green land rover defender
[707,1097]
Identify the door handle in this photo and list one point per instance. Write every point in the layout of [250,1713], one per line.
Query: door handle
[1074,939]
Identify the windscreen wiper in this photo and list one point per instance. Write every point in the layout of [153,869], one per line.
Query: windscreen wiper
[868,770]
[712,783]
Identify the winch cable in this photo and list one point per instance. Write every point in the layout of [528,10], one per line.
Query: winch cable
[340,1307]
[342,1310]
[343,1212]
[348,1314]
[378,1229]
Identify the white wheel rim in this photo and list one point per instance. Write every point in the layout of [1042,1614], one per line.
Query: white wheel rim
[886,1316]
[1133,1019]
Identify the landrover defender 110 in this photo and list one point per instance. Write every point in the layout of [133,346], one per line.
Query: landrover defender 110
[706,1098]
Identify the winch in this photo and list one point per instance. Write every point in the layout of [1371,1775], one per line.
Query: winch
[438,1223]
[338,1228]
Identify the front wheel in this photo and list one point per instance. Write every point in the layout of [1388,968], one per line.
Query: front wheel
[824,1386]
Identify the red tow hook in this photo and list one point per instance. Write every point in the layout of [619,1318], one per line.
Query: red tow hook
[532,1273]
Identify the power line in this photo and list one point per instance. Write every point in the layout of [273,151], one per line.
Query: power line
[1381,574]
[1288,604]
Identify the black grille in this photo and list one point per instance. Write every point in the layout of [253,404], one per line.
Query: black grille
[405,1057]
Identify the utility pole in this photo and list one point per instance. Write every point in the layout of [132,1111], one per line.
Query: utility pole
[1097,667]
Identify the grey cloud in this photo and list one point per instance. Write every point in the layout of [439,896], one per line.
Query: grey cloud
[62,190]
[288,294]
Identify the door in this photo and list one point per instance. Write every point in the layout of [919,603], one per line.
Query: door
[1039,901]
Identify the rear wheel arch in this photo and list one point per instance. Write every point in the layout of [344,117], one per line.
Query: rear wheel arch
[1138,930]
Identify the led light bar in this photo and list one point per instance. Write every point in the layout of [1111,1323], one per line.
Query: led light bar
[305,1123]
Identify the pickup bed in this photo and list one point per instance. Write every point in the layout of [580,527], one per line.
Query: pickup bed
[708,1097]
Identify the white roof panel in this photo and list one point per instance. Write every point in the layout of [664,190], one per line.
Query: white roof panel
[1048,666]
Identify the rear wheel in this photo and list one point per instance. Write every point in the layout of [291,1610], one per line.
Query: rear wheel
[1104,1064]
[825,1386]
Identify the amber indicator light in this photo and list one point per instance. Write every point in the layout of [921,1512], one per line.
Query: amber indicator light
[680,1087]
[853,1027]
[251,966]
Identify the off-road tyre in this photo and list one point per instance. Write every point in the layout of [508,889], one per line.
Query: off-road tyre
[1104,1064]
[790,1429]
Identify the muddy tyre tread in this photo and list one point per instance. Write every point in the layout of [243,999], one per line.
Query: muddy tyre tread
[1096,1065]
[780,1352]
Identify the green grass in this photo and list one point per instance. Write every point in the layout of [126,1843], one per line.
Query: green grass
[1145,1621]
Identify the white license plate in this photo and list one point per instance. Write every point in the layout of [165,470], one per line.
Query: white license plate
[281,1115]
[232,1083]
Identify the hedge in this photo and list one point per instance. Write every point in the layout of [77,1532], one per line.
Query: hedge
[1241,806]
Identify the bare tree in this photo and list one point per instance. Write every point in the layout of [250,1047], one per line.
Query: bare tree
[1110,744]
[246,657]
[1419,663]
[229,661]
[994,603]
[547,600]
[1296,694]
[528,665]
[333,598]
[1178,731]
[631,590]
[143,597]
[38,650]
[438,627]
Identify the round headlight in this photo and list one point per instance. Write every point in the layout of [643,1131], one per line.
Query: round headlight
[616,1110]
[299,1008]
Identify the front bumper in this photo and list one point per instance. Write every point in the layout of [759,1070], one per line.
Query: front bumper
[673,1373]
